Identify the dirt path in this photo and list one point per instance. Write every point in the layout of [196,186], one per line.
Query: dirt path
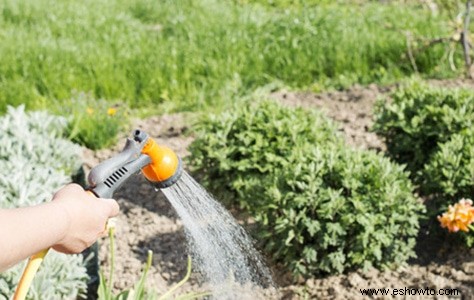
[147,221]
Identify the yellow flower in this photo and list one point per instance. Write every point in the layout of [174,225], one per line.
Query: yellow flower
[458,217]
[89,110]
[111,111]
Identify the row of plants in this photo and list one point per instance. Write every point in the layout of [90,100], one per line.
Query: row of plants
[36,160]
[321,207]
[196,54]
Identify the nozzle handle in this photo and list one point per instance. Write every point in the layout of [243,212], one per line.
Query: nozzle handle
[107,187]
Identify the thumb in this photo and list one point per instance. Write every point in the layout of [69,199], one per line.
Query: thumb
[112,206]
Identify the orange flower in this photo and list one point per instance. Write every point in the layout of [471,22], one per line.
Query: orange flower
[458,217]
[111,111]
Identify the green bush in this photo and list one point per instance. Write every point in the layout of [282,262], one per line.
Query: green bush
[38,161]
[335,209]
[431,130]
[450,172]
[319,207]
[419,118]
[251,141]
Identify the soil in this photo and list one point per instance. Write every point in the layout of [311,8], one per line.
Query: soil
[148,222]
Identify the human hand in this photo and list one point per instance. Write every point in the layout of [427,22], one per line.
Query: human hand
[87,217]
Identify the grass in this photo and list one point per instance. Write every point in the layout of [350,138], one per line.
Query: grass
[192,55]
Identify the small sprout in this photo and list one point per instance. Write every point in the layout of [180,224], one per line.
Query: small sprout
[458,217]
[111,224]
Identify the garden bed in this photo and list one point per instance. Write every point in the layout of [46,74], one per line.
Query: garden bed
[147,220]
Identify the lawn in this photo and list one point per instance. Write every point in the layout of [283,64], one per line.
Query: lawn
[194,55]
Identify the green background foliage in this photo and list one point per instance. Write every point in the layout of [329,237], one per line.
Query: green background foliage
[195,54]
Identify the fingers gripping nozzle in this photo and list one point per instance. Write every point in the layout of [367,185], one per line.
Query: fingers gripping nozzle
[160,165]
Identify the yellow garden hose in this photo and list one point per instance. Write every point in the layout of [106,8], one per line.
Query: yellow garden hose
[28,274]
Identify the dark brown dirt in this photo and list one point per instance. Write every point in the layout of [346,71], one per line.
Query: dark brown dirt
[147,221]
[351,109]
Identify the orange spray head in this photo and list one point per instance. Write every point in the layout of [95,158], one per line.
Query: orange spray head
[165,167]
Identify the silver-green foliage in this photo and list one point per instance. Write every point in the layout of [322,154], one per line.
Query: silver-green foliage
[320,207]
[36,161]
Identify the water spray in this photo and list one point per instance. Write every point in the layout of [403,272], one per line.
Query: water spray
[159,164]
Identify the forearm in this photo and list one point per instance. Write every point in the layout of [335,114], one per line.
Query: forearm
[26,231]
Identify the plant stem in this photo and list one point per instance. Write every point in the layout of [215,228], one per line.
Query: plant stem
[179,284]
[465,39]
[112,260]
[140,290]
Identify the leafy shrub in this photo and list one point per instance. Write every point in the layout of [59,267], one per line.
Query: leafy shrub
[450,176]
[419,118]
[334,209]
[94,123]
[251,141]
[450,172]
[61,276]
[431,130]
[38,161]
[320,207]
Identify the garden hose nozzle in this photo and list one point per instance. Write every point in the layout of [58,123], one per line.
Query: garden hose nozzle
[159,164]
